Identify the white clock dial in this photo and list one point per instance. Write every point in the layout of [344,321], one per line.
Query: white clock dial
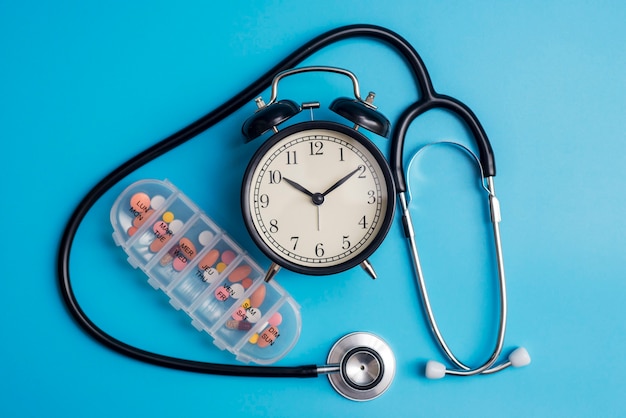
[318,197]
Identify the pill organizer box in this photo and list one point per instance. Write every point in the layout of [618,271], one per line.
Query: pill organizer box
[204,272]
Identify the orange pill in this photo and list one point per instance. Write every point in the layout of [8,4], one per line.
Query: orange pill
[239,273]
[140,202]
[159,243]
[268,337]
[209,259]
[187,248]
[141,218]
[258,296]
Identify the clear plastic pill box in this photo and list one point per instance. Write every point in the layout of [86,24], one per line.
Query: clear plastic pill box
[204,272]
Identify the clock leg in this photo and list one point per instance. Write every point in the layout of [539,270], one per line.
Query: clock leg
[367,266]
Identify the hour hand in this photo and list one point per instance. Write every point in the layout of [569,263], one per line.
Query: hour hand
[298,187]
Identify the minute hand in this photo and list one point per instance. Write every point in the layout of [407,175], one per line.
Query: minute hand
[341,181]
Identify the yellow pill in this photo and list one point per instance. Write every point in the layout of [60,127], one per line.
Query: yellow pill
[168,217]
[246,304]
[220,267]
[254,339]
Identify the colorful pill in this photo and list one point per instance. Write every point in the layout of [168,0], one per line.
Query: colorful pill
[246,283]
[258,296]
[239,314]
[209,259]
[220,267]
[228,256]
[160,228]
[268,336]
[246,304]
[168,217]
[221,293]
[275,319]
[205,237]
[131,231]
[253,315]
[141,218]
[240,325]
[187,248]
[170,255]
[254,339]
[157,201]
[236,290]
[176,225]
[180,262]
[239,273]
[140,202]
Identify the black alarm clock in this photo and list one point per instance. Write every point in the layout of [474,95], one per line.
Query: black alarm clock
[318,197]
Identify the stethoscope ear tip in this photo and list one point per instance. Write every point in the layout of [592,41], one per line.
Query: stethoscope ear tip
[435,370]
[519,357]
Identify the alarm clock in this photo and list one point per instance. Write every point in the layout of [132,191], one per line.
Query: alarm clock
[318,197]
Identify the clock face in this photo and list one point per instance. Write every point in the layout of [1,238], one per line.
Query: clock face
[318,198]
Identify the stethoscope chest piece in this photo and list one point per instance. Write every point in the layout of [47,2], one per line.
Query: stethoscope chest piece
[366,366]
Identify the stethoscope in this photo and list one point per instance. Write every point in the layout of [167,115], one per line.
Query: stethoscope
[361,365]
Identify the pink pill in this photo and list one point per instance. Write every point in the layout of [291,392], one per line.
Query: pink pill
[275,319]
[221,293]
[179,262]
[160,228]
[228,256]
[239,273]
[140,202]
[239,314]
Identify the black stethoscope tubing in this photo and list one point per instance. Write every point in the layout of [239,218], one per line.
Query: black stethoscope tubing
[429,100]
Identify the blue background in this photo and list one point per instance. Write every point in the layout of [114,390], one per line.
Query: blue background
[86,85]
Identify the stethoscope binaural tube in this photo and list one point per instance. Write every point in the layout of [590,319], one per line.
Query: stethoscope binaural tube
[432,100]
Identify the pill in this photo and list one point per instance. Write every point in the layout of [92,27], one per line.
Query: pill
[141,218]
[236,290]
[168,217]
[239,314]
[228,256]
[220,267]
[140,202]
[187,247]
[241,325]
[268,336]
[239,273]
[258,296]
[176,225]
[221,293]
[246,304]
[254,339]
[253,315]
[157,201]
[131,231]
[205,237]
[209,259]
[246,283]
[275,319]
[159,242]
[179,262]
[169,256]
[160,228]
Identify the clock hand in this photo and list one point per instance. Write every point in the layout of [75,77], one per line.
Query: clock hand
[340,182]
[298,186]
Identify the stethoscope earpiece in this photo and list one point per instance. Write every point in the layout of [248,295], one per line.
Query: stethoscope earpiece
[518,358]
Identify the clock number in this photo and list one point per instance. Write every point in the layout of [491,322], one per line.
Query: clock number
[319,250]
[341,154]
[273,226]
[264,200]
[291,158]
[346,243]
[361,169]
[372,197]
[295,242]
[316,148]
[275,176]
[363,222]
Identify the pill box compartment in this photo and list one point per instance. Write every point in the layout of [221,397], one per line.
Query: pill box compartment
[204,272]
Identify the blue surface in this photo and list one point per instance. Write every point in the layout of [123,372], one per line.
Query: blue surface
[84,86]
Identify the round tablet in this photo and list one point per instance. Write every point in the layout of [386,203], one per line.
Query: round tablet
[157,201]
[205,237]
[176,225]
